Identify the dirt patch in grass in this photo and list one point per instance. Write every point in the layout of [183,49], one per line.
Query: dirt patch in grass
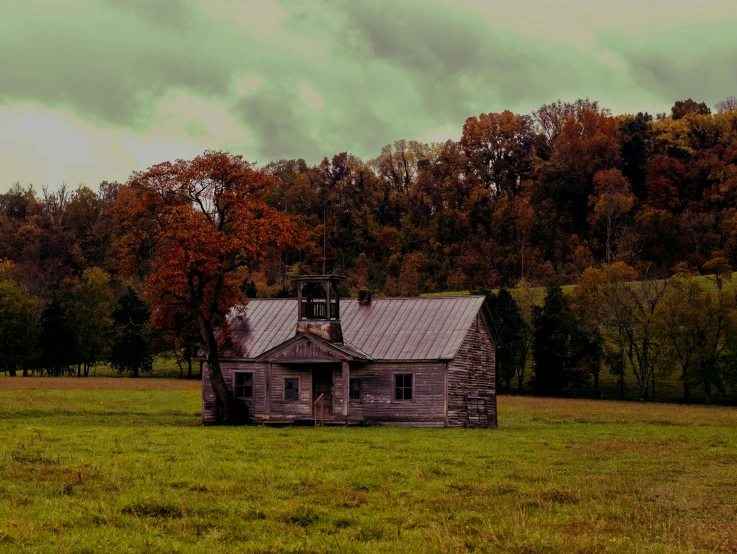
[96,383]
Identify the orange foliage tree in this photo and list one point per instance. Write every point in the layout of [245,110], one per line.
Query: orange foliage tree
[192,228]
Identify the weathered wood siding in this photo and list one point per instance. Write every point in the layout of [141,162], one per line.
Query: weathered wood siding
[377,402]
[281,408]
[472,373]
[254,405]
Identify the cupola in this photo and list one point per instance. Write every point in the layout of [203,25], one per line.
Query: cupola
[318,306]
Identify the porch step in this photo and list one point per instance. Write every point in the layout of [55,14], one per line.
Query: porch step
[277,422]
[307,422]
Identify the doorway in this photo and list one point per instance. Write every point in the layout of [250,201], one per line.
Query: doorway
[322,383]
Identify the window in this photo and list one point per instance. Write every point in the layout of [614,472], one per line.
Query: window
[243,385]
[354,386]
[403,387]
[291,388]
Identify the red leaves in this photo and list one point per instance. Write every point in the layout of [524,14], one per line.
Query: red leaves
[194,224]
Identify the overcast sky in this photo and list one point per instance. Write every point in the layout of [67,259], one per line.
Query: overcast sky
[91,90]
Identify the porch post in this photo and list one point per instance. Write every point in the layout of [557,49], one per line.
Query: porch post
[327,300]
[267,393]
[346,377]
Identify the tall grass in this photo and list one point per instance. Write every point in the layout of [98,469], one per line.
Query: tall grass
[120,470]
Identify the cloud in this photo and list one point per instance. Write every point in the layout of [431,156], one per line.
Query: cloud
[310,78]
[104,63]
[681,62]
[277,116]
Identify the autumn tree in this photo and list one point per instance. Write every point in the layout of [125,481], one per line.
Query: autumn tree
[699,328]
[88,303]
[727,105]
[684,107]
[625,311]
[524,218]
[612,199]
[637,149]
[17,328]
[525,297]
[196,225]
[600,300]
[645,344]
[499,148]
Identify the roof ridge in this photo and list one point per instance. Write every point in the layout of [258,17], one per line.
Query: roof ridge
[449,296]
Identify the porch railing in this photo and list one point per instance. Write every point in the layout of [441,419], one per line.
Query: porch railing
[318,310]
[319,422]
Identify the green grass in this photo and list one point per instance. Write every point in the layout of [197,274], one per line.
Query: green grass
[120,470]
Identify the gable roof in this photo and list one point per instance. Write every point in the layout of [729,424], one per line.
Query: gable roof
[309,346]
[386,329]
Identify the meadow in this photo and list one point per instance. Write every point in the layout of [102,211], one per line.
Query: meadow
[123,465]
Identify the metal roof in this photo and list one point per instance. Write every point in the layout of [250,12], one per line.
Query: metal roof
[385,329]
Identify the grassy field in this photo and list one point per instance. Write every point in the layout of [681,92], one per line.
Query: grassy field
[122,465]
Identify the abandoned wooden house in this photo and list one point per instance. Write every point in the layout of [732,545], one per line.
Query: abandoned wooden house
[320,359]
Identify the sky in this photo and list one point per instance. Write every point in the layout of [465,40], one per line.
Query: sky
[92,90]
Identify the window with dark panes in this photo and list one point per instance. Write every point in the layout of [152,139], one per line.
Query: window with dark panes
[355,389]
[403,387]
[243,385]
[291,388]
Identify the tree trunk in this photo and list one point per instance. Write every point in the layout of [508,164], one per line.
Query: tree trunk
[596,383]
[79,370]
[11,370]
[135,371]
[520,376]
[522,272]
[189,367]
[25,372]
[686,388]
[226,404]
[707,391]
[653,384]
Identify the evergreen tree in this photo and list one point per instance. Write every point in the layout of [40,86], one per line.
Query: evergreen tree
[57,340]
[132,346]
[549,349]
[509,323]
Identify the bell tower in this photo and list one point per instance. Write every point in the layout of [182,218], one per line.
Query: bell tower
[318,305]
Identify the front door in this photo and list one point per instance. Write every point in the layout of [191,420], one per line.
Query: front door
[322,383]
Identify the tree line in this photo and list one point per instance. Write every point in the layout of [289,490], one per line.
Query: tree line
[680,328]
[520,200]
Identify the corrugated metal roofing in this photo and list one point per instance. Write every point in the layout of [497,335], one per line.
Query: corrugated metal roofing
[386,329]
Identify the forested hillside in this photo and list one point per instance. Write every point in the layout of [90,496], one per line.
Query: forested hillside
[545,199]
